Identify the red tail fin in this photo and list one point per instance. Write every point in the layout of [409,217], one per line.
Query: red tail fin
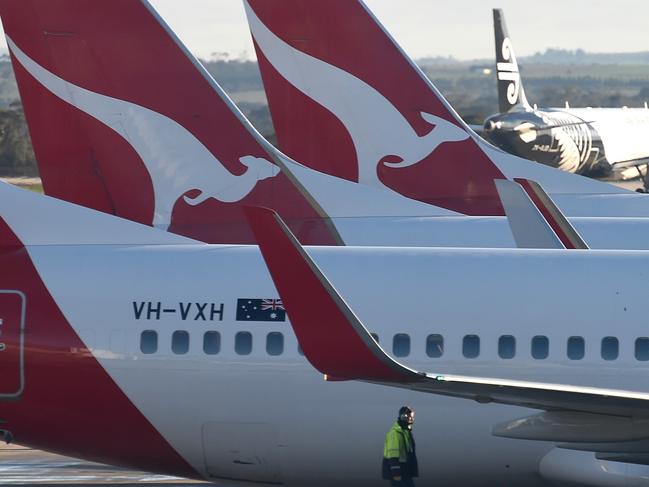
[340,90]
[125,121]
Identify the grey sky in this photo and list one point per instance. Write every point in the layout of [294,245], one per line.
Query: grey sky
[461,28]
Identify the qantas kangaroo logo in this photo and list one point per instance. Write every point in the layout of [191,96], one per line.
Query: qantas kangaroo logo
[176,161]
[508,71]
[362,109]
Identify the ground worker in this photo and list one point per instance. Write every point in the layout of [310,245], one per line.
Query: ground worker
[399,457]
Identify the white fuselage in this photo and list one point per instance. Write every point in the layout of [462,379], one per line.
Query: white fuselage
[623,131]
[222,411]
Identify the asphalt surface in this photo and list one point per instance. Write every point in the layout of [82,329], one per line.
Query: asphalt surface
[23,466]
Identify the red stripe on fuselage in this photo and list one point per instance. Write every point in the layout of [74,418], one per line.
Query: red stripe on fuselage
[70,404]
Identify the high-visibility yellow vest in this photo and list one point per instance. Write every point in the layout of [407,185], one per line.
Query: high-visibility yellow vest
[398,443]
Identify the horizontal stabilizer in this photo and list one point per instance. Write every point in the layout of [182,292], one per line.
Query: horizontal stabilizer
[336,342]
[42,220]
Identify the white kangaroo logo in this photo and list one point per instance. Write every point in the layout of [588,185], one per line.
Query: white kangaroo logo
[176,161]
[379,131]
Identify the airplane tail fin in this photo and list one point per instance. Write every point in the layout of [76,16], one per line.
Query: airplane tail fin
[511,94]
[346,100]
[125,120]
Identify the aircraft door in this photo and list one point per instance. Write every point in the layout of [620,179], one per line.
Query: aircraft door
[12,330]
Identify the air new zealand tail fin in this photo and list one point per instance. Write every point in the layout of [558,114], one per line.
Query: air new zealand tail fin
[510,86]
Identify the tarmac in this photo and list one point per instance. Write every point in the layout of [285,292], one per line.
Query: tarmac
[24,466]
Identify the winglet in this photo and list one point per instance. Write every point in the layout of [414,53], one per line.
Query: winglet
[529,226]
[553,215]
[336,342]
[332,337]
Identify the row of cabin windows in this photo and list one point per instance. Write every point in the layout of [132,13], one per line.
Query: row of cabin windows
[211,342]
[539,346]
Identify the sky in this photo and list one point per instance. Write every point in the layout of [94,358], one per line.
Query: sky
[460,28]
[427,28]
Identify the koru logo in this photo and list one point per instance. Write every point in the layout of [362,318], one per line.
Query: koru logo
[508,71]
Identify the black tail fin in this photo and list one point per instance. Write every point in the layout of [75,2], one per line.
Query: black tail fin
[510,87]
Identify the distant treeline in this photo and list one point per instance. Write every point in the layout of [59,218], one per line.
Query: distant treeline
[468,87]
[557,56]
[16,153]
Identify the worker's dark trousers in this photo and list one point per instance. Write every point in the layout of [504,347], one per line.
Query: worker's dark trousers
[404,482]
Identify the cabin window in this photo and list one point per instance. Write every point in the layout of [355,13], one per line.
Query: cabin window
[506,347]
[375,336]
[642,349]
[576,348]
[274,343]
[149,341]
[471,346]
[180,342]
[300,351]
[610,348]
[540,347]
[211,342]
[243,343]
[401,345]
[435,346]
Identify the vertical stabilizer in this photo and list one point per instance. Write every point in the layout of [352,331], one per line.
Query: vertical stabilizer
[510,87]
[125,120]
[346,100]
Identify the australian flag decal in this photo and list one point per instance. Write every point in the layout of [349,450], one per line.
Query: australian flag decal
[252,309]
